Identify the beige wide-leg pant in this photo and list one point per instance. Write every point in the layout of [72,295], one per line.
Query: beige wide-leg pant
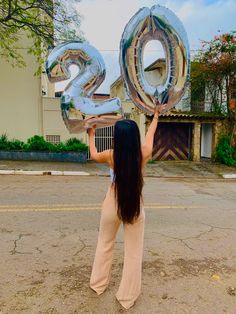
[130,285]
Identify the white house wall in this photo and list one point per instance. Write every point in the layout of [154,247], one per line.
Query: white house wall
[20,102]
[53,123]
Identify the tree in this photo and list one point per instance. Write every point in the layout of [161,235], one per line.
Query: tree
[46,22]
[214,69]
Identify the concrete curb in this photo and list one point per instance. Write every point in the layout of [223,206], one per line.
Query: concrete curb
[7,172]
[43,173]
[219,177]
[226,176]
[229,175]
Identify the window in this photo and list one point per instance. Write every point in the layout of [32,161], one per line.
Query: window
[127,115]
[54,139]
[233,95]
[233,89]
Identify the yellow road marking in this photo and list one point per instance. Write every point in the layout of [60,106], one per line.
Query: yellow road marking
[73,207]
[47,205]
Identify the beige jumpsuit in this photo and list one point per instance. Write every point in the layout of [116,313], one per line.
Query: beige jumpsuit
[130,285]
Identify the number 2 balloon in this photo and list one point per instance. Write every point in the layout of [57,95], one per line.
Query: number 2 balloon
[79,111]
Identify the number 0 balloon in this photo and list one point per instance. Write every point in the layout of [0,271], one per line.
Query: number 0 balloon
[157,23]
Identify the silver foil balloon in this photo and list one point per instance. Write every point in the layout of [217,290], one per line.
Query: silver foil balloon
[157,23]
[79,111]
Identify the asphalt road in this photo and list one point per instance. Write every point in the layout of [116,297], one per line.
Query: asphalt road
[49,226]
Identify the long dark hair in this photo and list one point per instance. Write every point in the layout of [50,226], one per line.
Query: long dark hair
[128,178]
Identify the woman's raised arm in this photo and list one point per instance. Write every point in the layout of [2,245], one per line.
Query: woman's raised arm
[147,146]
[102,157]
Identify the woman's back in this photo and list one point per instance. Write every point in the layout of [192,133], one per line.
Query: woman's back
[111,162]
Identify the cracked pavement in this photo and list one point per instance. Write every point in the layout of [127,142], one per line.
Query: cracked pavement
[49,227]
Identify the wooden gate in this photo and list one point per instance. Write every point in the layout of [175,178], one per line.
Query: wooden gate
[172,141]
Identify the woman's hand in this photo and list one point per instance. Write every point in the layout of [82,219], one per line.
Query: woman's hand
[91,131]
[159,109]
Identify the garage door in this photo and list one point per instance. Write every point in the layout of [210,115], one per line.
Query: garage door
[172,141]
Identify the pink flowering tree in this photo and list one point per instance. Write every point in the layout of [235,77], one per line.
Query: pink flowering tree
[214,71]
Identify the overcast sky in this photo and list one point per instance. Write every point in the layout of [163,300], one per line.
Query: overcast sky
[103,22]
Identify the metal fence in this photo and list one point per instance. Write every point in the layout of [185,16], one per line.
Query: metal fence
[103,138]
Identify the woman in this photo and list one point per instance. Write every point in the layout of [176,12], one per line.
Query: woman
[123,204]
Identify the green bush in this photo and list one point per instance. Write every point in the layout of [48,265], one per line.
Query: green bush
[60,147]
[3,142]
[15,145]
[225,153]
[38,143]
[75,145]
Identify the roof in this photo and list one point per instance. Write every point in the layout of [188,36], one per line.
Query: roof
[100,96]
[153,66]
[156,64]
[191,115]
